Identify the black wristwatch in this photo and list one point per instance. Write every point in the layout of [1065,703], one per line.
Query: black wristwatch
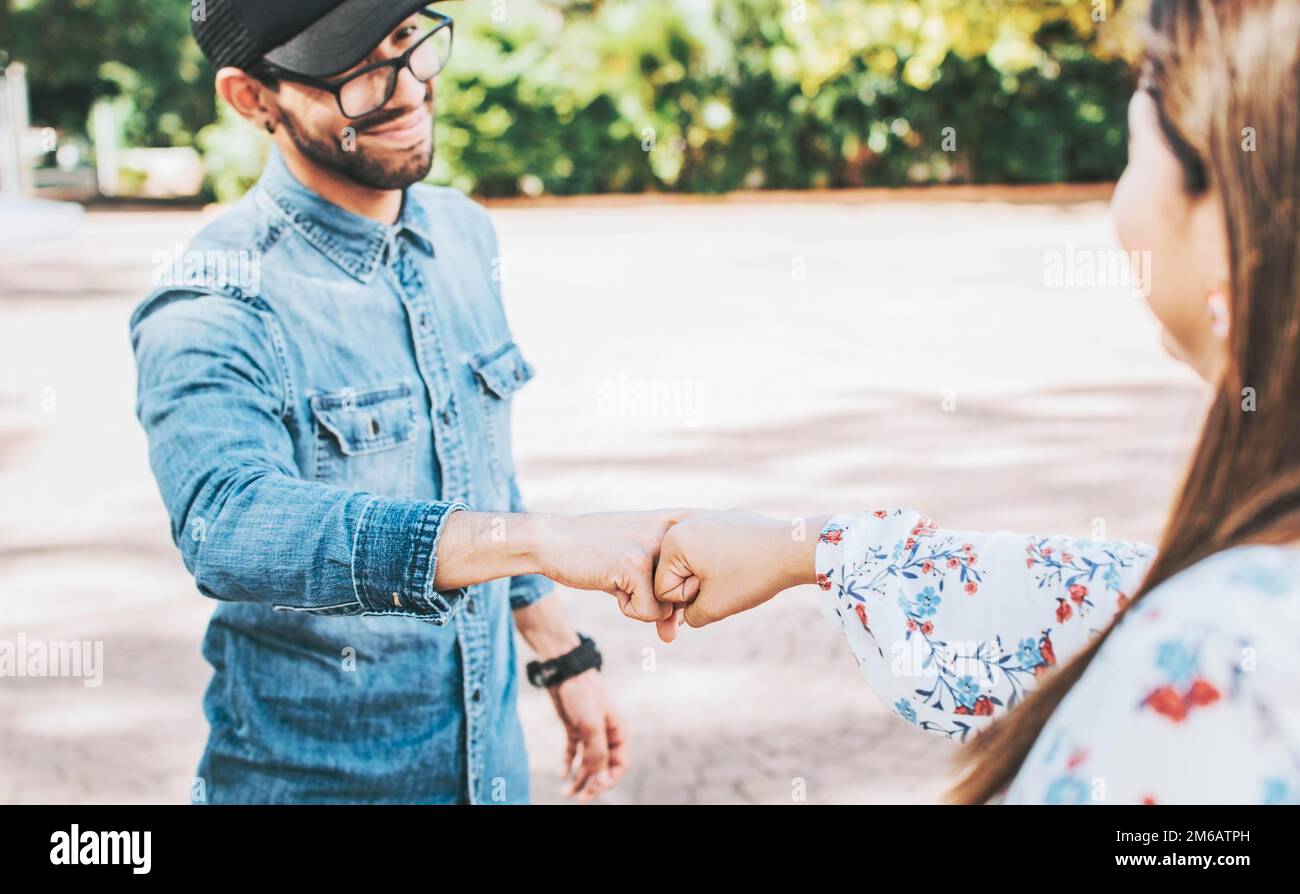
[545,674]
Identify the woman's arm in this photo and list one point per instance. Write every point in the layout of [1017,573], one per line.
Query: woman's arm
[949,627]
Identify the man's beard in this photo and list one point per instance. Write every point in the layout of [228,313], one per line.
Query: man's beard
[363,168]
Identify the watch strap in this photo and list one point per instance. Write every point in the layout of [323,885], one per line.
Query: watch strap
[584,657]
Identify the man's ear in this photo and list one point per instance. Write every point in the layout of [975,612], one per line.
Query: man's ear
[255,102]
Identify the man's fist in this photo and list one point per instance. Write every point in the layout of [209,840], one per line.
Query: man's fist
[610,551]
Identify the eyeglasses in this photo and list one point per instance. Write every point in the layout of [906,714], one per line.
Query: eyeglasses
[367,90]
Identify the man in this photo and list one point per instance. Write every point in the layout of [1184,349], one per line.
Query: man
[331,437]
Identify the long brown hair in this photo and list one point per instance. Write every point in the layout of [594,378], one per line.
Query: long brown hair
[1215,68]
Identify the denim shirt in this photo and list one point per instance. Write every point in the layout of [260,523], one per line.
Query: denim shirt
[320,391]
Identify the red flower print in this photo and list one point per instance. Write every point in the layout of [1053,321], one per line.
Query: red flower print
[953,563]
[961,709]
[966,548]
[927,567]
[911,542]
[983,707]
[1045,649]
[911,625]
[1149,800]
[1201,693]
[823,581]
[1076,758]
[1078,592]
[1047,550]
[972,559]
[927,628]
[880,513]
[971,587]
[1067,558]
[1168,702]
[1063,611]
[1029,563]
[861,611]
[832,536]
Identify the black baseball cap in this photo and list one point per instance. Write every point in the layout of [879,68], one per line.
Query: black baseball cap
[316,38]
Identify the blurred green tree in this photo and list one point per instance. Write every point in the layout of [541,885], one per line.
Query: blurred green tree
[78,51]
[567,96]
[580,96]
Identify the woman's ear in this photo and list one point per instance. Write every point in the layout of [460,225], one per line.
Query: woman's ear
[1208,233]
[254,101]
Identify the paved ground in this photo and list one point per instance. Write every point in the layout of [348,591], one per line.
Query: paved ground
[806,356]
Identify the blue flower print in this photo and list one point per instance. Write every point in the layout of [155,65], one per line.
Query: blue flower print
[905,710]
[966,690]
[1175,659]
[927,602]
[1028,653]
[1067,790]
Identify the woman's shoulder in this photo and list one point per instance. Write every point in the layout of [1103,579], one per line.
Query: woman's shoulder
[1246,588]
[1241,606]
[1191,698]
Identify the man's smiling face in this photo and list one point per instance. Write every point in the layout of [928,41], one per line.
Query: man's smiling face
[390,148]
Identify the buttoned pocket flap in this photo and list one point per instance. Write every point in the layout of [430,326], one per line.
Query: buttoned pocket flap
[503,371]
[366,421]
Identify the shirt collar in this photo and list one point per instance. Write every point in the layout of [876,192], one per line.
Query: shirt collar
[358,245]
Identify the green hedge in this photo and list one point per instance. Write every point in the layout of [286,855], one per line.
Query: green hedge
[586,96]
[700,97]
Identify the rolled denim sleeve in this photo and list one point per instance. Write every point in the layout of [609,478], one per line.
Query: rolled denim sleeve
[212,397]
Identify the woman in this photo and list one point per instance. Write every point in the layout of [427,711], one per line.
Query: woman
[1111,672]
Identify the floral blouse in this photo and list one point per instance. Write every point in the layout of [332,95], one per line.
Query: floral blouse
[1192,699]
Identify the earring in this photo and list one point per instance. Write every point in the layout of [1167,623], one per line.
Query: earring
[270,128]
[1216,305]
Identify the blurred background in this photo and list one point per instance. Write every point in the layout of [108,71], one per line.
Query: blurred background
[795,255]
[570,97]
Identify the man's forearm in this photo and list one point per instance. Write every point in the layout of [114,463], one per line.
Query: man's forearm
[613,552]
[476,547]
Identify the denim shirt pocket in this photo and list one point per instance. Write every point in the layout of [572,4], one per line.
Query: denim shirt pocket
[365,439]
[500,373]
